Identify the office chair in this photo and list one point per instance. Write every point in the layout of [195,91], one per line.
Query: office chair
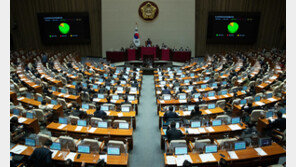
[221,103]
[200,144]
[68,143]
[255,115]
[175,143]
[95,146]
[123,147]
[94,121]
[224,118]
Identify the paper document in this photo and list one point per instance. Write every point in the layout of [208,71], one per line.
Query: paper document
[192,131]
[54,152]
[113,101]
[208,111]
[18,149]
[232,155]
[62,126]
[67,96]
[271,99]
[202,130]
[181,158]
[22,119]
[92,130]
[170,160]
[225,95]
[273,77]
[207,157]
[21,98]
[104,157]
[260,151]
[196,99]
[70,156]
[78,128]
[186,113]
[120,114]
[50,106]
[182,101]
[259,103]
[234,127]
[210,129]
[161,101]
[212,97]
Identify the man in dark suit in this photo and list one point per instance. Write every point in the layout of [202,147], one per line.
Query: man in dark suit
[173,133]
[196,112]
[42,156]
[166,90]
[279,123]
[170,114]
[100,113]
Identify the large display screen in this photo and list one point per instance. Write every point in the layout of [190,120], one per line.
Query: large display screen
[64,28]
[233,27]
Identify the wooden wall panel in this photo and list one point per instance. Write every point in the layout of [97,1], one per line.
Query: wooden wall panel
[272,29]
[27,35]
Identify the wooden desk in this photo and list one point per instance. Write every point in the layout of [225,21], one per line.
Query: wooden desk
[221,97]
[32,85]
[84,133]
[58,109]
[30,124]
[247,157]
[68,97]
[112,160]
[267,83]
[47,78]
[13,98]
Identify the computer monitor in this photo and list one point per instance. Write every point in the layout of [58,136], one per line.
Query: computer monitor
[243,101]
[39,98]
[211,149]
[54,102]
[83,149]
[105,75]
[224,82]
[16,111]
[108,87]
[182,97]
[190,87]
[283,110]
[85,106]
[180,150]
[105,108]
[125,109]
[74,83]
[196,95]
[183,75]
[133,89]
[81,122]
[56,146]
[164,131]
[63,91]
[192,74]
[122,82]
[203,86]
[102,124]
[216,122]
[123,125]
[245,87]
[257,98]
[214,84]
[222,73]
[115,97]
[162,83]
[111,150]
[30,142]
[177,125]
[100,96]
[29,115]
[223,92]
[186,81]
[53,88]
[28,95]
[235,120]
[241,145]
[210,94]
[101,80]
[190,107]
[195,124]
[130,98]
[269,114]
[265,142]
[166,97]
[95,86]
[207,78]
[211,106]
[84,85]
[63,120]
[269,95]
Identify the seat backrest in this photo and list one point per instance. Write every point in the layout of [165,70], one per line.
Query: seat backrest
[94,121]
[221,103]
[116,122]
[39,114]
[73,119]
[224,118]
[236,101]
[93,144]
[67,143]
[42,138]
[256,114]
[110,105]
[199,145]
[177,143]
[250,99]
[119,144]
[203,106]
[259,94]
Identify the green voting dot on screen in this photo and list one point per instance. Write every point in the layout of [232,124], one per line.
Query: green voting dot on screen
[64,28]
[232,27]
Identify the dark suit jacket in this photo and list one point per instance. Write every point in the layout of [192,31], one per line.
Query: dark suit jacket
[174,134]
[41,157]
[279,123]
[166,91]
[100,114]
[170,114]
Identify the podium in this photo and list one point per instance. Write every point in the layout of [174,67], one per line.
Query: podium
[148,51]
[131,54]
[165,54]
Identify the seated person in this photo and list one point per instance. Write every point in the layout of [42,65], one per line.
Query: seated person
[279,123]
[100,113]
[173,133]
[43,106]
[16,130]
[166,90]
[170,114]
[195,113]
[76,111]
[42,156]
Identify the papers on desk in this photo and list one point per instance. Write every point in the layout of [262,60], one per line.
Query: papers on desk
[62,126]
[21,98]
[192,131]
[67,96]
[181,158]
[91,130]
[22,119]
[78,128]
[260,86]
[54,152]
[182,101]
[210,129]
[18,149]
[120,114]
[259,103]
[196,99]
[234,127]
[104,157]
[212,97]
[186,113]
[271,119]
[71,156]
[260,151]
[271,99]
[273,77]
[158,92]
[171,160]
[161,101]
[207,157]
[34,86]
[226,96]
[202,130]
[208,111]
[113,101]
[232,155]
